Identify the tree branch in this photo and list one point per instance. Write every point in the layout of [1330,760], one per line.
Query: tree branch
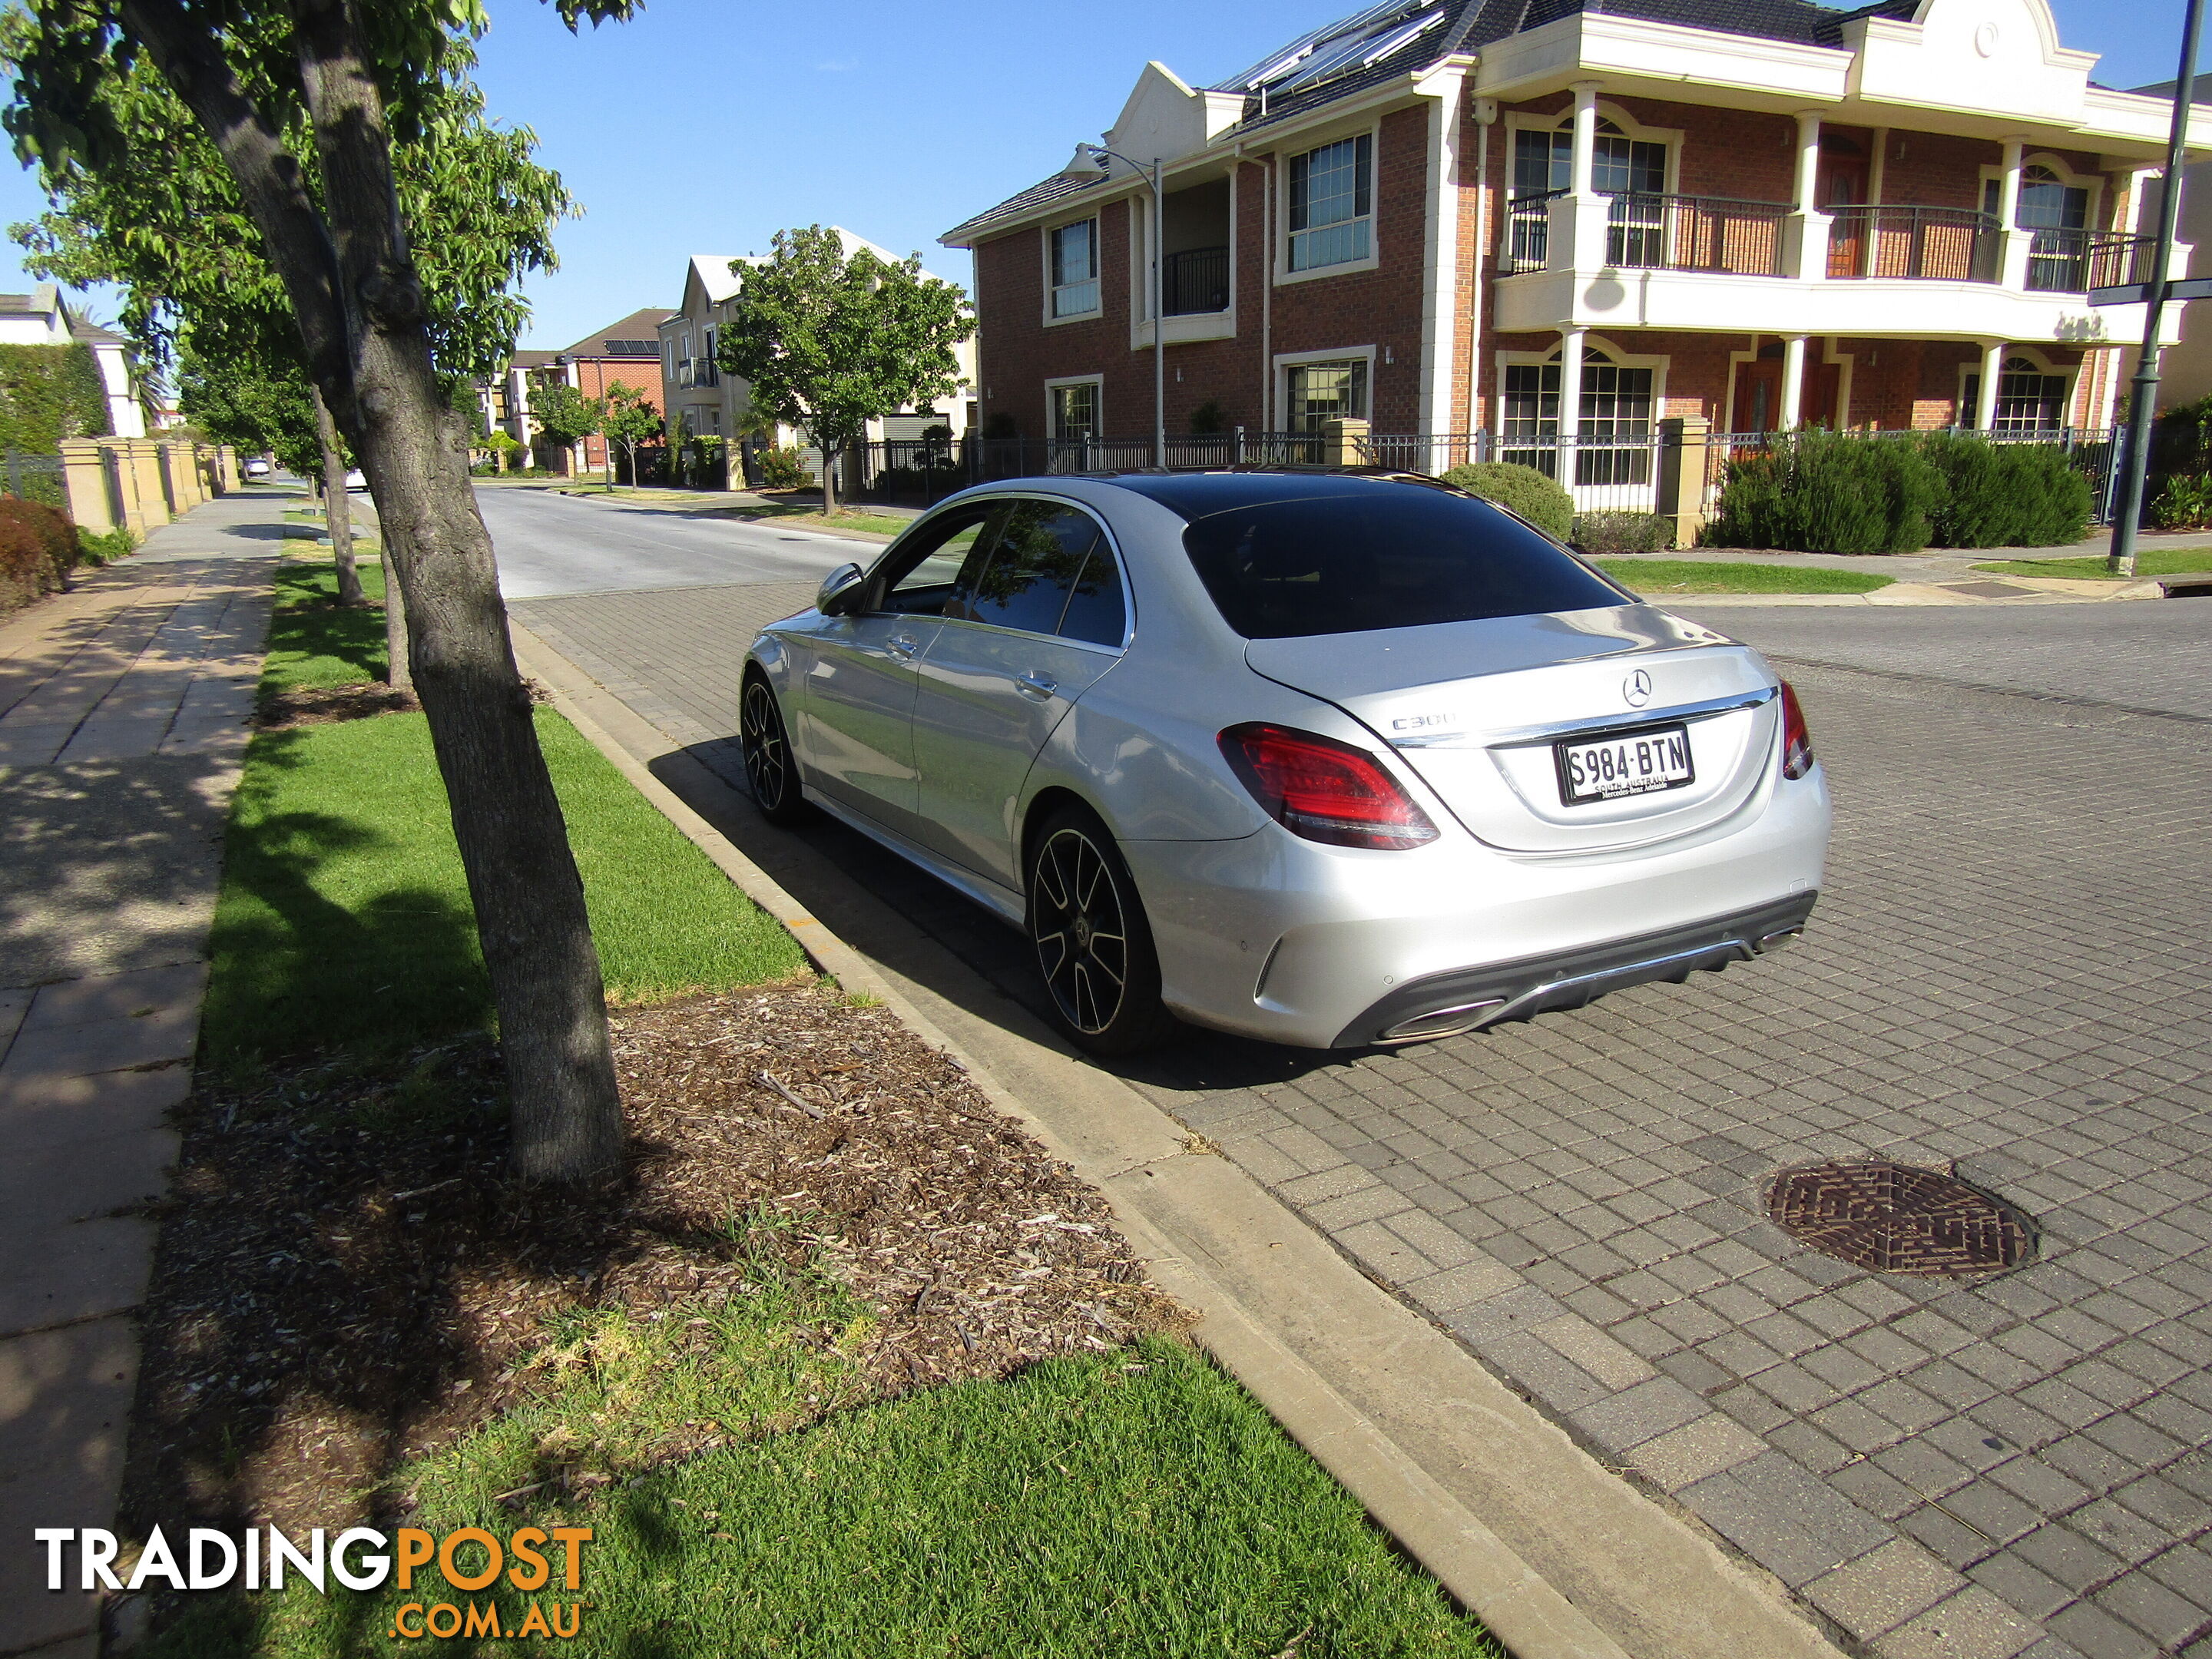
[296,238]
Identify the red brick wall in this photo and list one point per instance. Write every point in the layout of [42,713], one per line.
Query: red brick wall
[1381,308]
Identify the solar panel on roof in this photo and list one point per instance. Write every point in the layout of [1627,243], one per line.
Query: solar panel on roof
[1270,69]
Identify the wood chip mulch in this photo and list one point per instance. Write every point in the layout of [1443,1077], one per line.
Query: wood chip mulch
[345,1279]
[322,705]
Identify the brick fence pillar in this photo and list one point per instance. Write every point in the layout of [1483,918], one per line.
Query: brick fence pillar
[143,456]
[84,481]
[1344,443]
[1682,460]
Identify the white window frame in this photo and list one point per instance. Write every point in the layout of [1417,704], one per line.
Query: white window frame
[1094,381]
[1970,368]
[1097,268]
[1279,256]
[1518,123]
[2091,182]
[1658,363]
[1287,361]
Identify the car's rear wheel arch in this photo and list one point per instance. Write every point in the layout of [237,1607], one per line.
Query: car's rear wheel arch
[1047,801]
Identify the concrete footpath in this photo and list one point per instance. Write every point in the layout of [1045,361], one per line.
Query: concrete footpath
[123,722]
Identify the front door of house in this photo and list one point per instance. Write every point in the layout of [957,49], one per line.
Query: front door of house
[1759,393]
[1843,187]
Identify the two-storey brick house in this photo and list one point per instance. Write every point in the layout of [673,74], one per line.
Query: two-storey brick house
[1437,216]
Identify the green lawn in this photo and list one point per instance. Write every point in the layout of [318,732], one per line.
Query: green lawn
[344,919]
[2149,562]
[1132,1502]
[877,523]
[1661,578]
[1136,1503]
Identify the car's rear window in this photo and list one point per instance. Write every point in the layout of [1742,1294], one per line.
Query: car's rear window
[1389,556]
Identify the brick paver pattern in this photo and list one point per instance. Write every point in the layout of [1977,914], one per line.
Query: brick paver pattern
[2006,974]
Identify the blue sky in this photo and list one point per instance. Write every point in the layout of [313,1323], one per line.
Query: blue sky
[704,125]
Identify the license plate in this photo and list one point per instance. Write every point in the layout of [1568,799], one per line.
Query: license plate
[1638,763]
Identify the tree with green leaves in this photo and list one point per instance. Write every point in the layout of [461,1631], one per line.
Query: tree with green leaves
[830,344]
[310,107]
[630,421]
[563,416]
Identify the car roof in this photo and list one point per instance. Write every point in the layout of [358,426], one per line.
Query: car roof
[1195,494]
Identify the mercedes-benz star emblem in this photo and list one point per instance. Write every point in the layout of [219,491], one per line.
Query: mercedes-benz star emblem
[1637,688]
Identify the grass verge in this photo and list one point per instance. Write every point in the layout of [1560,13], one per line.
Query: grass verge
[2149,562]
[694,1368]
[874,524]
[344,919]
[1661,578]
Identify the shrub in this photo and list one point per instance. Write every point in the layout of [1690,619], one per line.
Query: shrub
[1207,419]
[2184,502]
[38,550]
[1623,532]
[47,393]
[780,468]
[2006,495]
[1822,492]
[98,547]
[1522,489]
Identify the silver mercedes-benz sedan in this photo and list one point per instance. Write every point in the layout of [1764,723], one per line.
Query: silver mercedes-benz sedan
[1322,758]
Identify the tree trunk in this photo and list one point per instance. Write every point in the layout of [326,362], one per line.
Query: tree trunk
[398,672]
[351,280]
[338,505]
[829,479]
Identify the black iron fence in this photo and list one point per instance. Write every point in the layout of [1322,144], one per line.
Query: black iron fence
[1195,281]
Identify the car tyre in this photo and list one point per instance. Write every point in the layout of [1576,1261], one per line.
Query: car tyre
[1092,943]
[770,767]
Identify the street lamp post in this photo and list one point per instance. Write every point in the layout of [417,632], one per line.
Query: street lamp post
[1100,156]
[2143,400]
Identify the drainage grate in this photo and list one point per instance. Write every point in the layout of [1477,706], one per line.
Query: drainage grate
[1892,1218]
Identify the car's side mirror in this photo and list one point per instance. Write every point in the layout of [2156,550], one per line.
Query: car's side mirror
[840,590]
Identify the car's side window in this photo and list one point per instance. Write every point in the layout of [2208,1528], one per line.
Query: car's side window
[1096,613]
[1041,548]
[923,577]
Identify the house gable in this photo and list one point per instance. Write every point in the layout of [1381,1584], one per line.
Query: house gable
[1972,55]
[1165,118]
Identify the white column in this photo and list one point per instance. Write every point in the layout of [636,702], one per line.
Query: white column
[1793,381]
[1808,159]
[1578,180]
[1806,251]
[1570,394]
[2013,243]
[1579,219]
[1985,406]
[2139,180]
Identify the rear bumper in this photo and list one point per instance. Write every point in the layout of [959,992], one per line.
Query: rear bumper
[1444,1005]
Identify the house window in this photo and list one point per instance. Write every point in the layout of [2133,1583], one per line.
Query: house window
[2029,399]
[2057,216]
[1543,161]
[1632,170]
[1331,203]
[1075,412]
[1322,392]
[708,374]
[1613,445]
[1075,269]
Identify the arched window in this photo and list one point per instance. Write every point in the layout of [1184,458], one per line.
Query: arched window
[1615,412]
[2030,397]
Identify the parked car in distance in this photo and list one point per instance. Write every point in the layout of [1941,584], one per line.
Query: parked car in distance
[355,480]
[257,467]
[1325,758]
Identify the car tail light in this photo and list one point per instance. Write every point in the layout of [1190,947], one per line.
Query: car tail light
[1324,790]
[1796,737]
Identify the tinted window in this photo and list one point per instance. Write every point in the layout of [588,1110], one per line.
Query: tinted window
[920,577]
[1392,556]
[1094,612]
[1039,551]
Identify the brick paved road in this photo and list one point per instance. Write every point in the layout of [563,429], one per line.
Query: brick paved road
[2007,973]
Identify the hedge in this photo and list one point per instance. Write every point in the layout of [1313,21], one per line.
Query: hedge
[1822,492]
[1539,500]
[47,393]
[2011,494]
[1623,532]
[38,550]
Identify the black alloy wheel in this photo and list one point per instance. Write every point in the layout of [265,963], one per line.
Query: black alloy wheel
[770,768]
[1094,946]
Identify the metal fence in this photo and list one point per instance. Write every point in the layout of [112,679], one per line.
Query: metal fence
[35,478]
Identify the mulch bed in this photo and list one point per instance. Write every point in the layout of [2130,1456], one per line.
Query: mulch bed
[345,1279]
[323,704]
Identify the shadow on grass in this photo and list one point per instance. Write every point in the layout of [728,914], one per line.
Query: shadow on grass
[303,960]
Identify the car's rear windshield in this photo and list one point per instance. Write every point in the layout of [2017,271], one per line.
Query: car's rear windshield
[1390,556]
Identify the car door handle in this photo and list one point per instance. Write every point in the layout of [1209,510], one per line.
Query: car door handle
[1036,686]
[903,645]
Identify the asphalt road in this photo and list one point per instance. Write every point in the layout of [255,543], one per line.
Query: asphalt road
[2147,654]
[550,545]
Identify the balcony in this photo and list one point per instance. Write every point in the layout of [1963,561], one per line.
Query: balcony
[1718,265]
[1194,282]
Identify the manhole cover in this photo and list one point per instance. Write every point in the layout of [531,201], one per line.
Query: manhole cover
[1892,1218]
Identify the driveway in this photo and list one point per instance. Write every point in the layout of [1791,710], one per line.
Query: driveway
[2006,974]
